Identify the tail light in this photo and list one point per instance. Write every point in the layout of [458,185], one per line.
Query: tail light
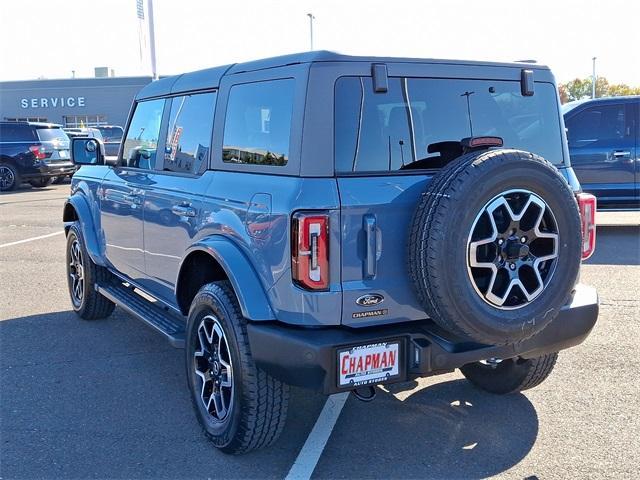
[38,151]
[310,250]
[587,204]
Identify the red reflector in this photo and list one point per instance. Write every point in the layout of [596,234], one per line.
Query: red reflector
[310,250]
[38,151]
[587,204]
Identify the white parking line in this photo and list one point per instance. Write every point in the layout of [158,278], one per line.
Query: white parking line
[31,239]
[308,457]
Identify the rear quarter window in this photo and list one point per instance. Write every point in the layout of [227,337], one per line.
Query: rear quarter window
[258,123]
[389,131]
[17,133]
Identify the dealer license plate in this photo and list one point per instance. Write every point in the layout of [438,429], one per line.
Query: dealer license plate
[367,364]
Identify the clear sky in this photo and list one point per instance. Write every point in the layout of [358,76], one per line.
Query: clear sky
[50,38]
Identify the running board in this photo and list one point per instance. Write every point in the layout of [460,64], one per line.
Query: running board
[165,322]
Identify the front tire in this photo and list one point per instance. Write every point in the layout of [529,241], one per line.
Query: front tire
[510,376]
[239,406]
[82,277]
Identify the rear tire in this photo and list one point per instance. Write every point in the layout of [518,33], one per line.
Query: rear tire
[82,277]
[239,406]
[9,178]
[41,182]
[512,375]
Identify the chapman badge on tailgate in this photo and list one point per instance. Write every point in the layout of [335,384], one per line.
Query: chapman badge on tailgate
[370,300]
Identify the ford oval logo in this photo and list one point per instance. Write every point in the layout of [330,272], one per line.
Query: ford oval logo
[370,300]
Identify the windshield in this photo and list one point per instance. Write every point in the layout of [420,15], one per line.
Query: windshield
[111,134]
[52,135]
[390,131]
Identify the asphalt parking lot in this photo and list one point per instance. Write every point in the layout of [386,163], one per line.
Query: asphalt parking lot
[108,399]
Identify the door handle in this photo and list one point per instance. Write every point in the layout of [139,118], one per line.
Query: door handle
[184,210]
[373,245]
[621,153]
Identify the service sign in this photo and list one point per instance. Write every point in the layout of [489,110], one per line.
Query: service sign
[368,364]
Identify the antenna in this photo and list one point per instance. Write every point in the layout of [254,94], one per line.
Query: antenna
[468,94]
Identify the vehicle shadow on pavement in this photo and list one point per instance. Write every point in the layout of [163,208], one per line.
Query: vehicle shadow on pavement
[109,399]
[447,430]
[616,245]
[26,188]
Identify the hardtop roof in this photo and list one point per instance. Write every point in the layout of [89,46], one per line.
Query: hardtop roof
[210,78]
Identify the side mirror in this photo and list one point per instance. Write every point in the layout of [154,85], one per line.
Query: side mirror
[87,151]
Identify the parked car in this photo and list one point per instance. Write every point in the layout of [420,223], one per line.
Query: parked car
[112,135]
[32,152]
[336,223]
[604,144]
[88,132]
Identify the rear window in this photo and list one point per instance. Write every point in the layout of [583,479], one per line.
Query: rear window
[389,131]
[111,134]
[16,132]
[52,135]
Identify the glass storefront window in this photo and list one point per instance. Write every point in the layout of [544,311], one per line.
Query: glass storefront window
[82,121]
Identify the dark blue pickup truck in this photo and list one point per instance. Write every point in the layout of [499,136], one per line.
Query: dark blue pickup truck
[604,145]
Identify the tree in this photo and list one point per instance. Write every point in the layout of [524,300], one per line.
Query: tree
[578,89]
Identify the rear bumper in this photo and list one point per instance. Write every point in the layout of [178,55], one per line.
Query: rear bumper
[307,357]
[55,169]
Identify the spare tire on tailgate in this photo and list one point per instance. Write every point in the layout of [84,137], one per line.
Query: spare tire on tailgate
[495,246]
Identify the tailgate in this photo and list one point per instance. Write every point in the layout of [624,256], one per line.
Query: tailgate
[376,213]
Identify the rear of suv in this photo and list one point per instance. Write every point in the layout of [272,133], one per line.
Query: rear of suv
[337,223]
[32,152]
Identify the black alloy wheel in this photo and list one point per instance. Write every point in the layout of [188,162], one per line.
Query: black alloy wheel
[8,178]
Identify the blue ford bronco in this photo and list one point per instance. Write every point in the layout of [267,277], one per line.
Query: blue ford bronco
[335,223]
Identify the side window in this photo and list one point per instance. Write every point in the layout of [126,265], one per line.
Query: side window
[16,132]
[141,142]
[189,133]
[258,123]
[599,123]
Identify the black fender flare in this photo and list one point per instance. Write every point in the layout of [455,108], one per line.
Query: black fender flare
[248,288]
[76,209]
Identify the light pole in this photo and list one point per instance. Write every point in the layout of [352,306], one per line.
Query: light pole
[152,42]
[311,18]
[593,79]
